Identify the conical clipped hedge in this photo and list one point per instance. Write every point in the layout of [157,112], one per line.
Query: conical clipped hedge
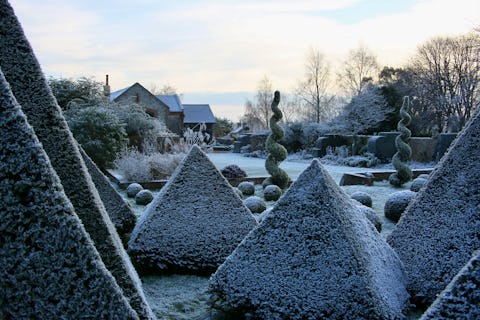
[29,86]
[461,298]
[119,211]
[314,256]
[193,224]
[440,228]
[49,268]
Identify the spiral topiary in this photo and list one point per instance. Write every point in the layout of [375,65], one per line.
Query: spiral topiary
[404,173]
[277,153]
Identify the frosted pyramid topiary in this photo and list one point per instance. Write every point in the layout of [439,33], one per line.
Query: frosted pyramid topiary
[315,256]
[461,298]
[49,268]
[440,229]
[118,210]
[29,86]
[193,224]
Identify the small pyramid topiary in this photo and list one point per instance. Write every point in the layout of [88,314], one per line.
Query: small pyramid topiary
[49,268]
[193,224]
[314,256]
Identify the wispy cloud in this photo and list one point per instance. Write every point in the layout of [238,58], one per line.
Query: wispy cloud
[227,46]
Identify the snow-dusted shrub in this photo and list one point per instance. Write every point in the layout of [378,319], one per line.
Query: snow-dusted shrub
[247,188]
[417,184]
[396,204]
[133,189]
[137,166]
[342,156]
[362,197]
[29,86]
[423,176]
[233,171]
[272,193]
[99,131]
[255,204]
[191,138]
[144,197]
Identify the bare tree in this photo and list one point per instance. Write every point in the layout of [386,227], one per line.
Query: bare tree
[312,90]
[260,109]
[358,70]
[447,80]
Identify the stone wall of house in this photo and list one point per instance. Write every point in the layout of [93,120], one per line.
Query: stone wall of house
[175,122]
[139,95]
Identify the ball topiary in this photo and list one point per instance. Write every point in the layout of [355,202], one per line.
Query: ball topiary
[255,204]
[247,188]
[362,197]
[237,191]
[417,184]
[233,171]
[396,204]
[277,152]
[272,193]
[133,189]
[371,215]
[404,173]
[144,197]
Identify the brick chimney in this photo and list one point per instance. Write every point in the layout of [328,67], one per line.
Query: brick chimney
[106,88]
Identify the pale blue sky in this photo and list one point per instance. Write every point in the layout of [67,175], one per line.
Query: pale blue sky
[224,46]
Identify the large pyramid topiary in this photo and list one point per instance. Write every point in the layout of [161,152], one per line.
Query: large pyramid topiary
[440,229]
[118,210]
[29,86]
[461,298]
[315,256]
[193,224]
[49,268]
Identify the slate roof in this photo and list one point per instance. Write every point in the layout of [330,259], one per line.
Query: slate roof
[172,101]
[198,113]
[114,95]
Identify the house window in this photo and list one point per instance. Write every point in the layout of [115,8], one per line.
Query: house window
[137,98]
[151,113]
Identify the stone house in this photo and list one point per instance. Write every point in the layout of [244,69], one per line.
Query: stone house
[167,108]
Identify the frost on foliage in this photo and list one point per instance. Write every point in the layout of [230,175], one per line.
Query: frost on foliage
[29,86]
[461,298]
[440,229]
[314,256]
[122,216]
[193,224]
[49,268]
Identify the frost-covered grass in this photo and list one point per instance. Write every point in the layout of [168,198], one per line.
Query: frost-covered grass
[185,296]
